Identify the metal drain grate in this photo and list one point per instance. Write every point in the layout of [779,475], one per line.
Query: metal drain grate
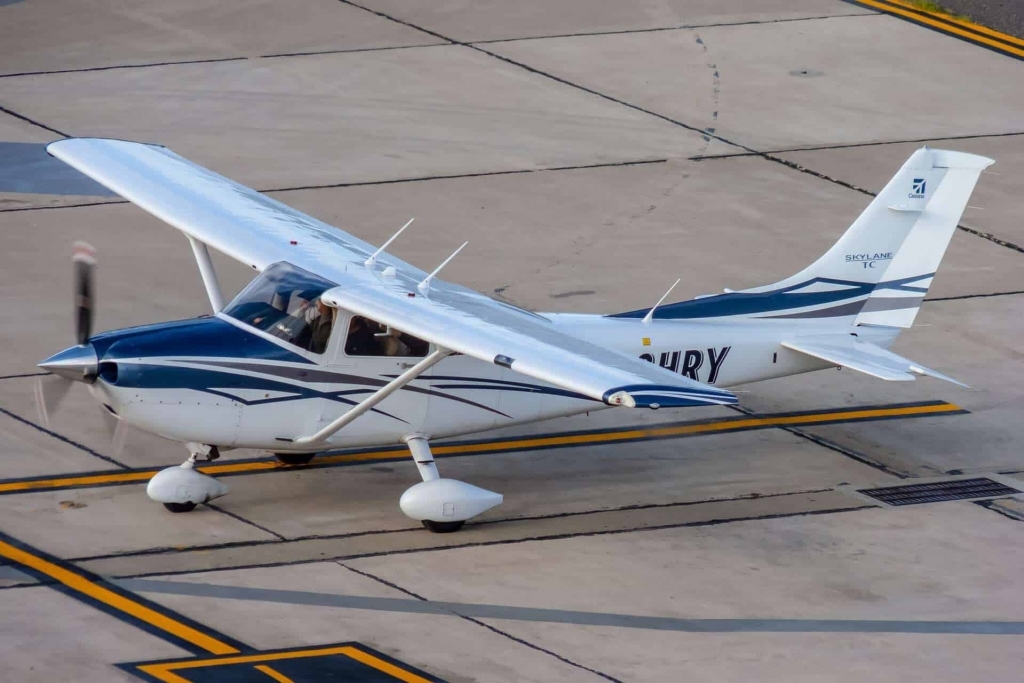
[960,489]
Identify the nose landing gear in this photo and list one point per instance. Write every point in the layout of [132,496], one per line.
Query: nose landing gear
[182,488]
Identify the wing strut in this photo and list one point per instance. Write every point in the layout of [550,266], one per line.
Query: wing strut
[373,399]
[208,273]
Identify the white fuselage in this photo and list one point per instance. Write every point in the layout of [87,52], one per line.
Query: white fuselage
[243,402]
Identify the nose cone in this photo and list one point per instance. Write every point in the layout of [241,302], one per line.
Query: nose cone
[78,363]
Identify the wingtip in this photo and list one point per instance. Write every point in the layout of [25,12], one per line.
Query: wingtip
[654,396]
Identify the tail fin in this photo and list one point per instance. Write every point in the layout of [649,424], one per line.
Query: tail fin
[896,300]
[880,269]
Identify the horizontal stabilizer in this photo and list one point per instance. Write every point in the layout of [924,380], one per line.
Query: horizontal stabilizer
[850,352]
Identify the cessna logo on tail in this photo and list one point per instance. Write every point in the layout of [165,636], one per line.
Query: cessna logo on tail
[917,189]
[690,362]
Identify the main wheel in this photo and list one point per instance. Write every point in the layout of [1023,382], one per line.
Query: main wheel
[180,507]
[295,458]
[442,527]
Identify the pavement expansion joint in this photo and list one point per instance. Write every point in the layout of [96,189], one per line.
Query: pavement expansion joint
[33,122]
[679,27]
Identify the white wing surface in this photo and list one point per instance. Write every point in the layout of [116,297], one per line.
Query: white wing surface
[260,231]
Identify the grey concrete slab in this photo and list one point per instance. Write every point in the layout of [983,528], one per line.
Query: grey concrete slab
[13,129]
[997,196]
[609,240]
[493,531]
[45,635]
[474,21]
[37,36]
[448,647]
[18,201]
[111,520]
[146,273]
[77,438]
[839,657]
[919,564]
[28,452]
[740,80]
[365,498]
[970,339]
[325,119]
[906,563]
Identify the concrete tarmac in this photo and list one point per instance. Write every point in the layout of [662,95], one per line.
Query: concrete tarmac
[591,153]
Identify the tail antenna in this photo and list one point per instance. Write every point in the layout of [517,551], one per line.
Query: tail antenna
[650,313]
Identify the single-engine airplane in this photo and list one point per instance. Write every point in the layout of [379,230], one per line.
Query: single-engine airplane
[338,343]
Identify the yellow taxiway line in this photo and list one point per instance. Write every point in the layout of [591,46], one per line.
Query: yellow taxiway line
[587,438]
[128,607]
[81,584]
[165,671]
[946,23]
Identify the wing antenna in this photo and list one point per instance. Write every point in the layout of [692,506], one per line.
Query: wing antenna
[650,313]
[372,261]
[425,285]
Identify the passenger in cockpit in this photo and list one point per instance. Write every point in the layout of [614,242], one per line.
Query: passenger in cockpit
[360,341]
[320,319]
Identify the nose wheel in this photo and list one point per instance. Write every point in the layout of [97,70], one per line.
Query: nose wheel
[182,488]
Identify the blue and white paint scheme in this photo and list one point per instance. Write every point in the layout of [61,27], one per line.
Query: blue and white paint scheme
[338,343]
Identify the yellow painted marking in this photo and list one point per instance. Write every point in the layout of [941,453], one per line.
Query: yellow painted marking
[898,8]
[964,22]
[646,341]
[276,675]
[108,597]
[499,445]
[165,671]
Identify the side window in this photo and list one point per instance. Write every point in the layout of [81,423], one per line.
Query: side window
[369,338]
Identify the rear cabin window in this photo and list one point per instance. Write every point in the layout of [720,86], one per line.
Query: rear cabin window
[285,301]
[369,338]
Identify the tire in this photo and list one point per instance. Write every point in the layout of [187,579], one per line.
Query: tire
[295,458]
[180,507]
[442,527]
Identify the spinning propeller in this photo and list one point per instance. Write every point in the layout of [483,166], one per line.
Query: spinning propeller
[78,364]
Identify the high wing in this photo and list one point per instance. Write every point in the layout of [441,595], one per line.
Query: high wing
[863,357]
[259,231]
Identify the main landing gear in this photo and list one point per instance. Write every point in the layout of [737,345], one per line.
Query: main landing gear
[294,458]
[442,505]
[181,488]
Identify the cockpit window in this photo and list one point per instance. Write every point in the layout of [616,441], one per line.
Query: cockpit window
[285,301]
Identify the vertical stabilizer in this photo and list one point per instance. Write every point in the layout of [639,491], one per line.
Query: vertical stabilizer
[879,271]
[909,273]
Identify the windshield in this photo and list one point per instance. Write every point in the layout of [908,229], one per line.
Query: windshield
[285,301]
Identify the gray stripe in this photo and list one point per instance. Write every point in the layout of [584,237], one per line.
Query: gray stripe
[870,305]
[557,616]
[892,303]
[851,308]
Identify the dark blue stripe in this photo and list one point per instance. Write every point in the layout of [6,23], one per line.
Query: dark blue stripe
[198,337]
[673,396]
[751,303]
